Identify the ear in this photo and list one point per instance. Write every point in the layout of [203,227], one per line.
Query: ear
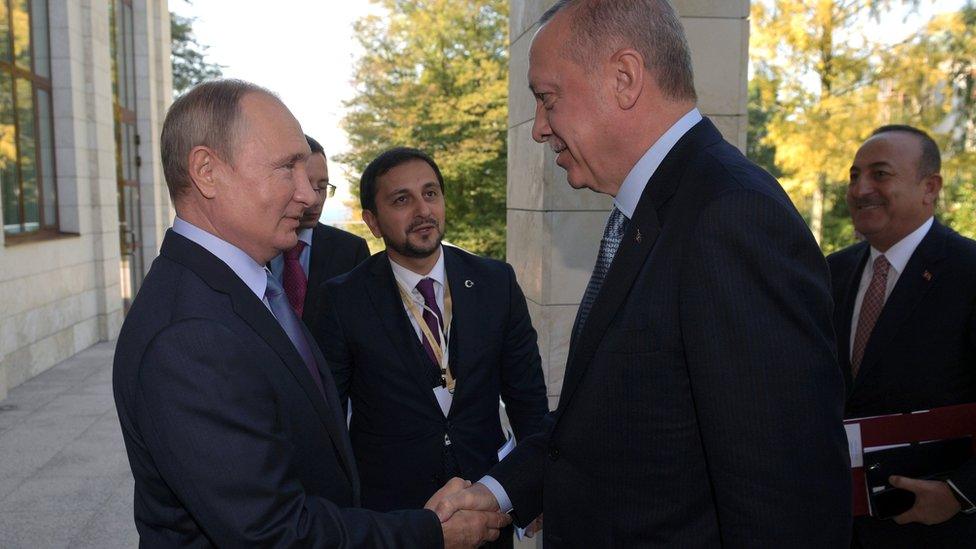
[202,164]
[629,73]
[372,223]
[933,184]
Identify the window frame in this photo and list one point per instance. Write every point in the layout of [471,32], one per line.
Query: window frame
[46,228]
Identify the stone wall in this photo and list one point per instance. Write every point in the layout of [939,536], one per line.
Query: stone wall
[553,230]
[62,295]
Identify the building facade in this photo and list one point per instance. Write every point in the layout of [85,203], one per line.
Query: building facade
[84,87]
[554,231]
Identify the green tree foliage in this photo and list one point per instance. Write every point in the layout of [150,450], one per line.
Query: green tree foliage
[190,66]
[434,75]
[820,86]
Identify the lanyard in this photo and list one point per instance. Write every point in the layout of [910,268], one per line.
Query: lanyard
[447,379]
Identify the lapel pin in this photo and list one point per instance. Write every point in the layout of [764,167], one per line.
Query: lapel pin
[638,237]
[468,283]
[927,276]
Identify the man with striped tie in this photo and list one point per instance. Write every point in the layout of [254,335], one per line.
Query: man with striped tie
[701,405]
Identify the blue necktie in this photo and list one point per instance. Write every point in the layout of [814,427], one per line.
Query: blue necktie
[285,316]
[612,236]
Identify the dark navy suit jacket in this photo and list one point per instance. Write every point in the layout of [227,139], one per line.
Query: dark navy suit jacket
[230,441]
[702,402]
[398,430]
[333,253]
[921,355]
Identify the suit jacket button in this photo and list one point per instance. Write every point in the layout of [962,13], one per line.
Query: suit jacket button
[553,453]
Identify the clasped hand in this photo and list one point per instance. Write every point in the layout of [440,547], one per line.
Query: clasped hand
[468,513]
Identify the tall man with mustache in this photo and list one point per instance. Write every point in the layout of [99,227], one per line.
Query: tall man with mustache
[423,339]
[905,315]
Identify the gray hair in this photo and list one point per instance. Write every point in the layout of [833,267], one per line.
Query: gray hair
[208,115]
[650,26]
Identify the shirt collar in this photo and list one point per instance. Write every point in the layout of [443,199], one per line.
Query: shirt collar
[305,235]
[899,254]
[633,186]
[250,272]
[409,279]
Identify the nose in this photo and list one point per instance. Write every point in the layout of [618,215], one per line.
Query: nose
[540,126]
[423,208]
[859,186]
[304,193]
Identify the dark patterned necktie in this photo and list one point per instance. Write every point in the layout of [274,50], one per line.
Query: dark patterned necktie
[612,236]
[293,278]
[433,318]
[874,298]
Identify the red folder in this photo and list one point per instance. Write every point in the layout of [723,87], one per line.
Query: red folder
[935,424]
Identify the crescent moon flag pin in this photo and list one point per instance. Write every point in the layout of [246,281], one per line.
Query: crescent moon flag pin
[927,276]
[468,283]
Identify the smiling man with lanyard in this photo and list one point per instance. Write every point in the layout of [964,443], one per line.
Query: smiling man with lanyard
[423,339]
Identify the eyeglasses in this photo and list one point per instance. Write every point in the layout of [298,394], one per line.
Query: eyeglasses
[329,190]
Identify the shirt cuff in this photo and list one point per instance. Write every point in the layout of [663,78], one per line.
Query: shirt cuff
[967,504]
[493,486]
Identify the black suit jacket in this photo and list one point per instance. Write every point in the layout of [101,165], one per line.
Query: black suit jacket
[702,404]
[921,354]
[398,430]
[229,439]
[334,252]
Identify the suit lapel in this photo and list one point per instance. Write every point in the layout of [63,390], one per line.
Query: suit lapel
[465,323]
[253,312]
[922,269]
[638,241]
[320,256]
[383,294]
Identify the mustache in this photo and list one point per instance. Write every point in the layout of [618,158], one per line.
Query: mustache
[862,202]
[423,221]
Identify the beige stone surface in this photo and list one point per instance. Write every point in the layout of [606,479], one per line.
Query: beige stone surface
[719,51]
[63,295]
[712,8]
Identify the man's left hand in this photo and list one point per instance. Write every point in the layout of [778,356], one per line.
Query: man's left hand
[934,502]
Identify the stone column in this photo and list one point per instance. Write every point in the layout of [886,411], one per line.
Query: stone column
[553,230]
[154,94]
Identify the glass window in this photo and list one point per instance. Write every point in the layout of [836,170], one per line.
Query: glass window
[27,171]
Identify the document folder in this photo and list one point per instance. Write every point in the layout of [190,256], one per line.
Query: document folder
[954,427]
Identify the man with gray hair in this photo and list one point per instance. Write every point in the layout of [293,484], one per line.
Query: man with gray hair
[702,402]
[230,417]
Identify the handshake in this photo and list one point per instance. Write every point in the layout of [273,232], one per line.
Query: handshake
[468,513]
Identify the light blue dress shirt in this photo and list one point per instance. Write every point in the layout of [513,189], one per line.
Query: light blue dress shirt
[249,271]
[278,263]
[626,201]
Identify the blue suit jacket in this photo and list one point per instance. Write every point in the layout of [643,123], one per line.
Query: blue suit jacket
[398,430]
[702,401]
[229,440]
[921,354]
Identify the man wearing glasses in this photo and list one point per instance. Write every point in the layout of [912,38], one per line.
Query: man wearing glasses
[322,252]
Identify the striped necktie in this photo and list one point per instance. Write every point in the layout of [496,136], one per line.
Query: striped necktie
[612,236]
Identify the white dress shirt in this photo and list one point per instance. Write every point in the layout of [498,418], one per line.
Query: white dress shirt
[409,279]
[897,256]
[633,186]
[626,201]
[249,271]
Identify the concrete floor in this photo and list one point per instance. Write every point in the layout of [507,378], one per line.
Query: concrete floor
[64,476]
